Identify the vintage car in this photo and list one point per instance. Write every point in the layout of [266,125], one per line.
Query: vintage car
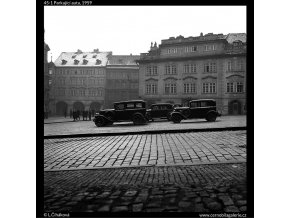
[123,111]
[161,110]
[202,108]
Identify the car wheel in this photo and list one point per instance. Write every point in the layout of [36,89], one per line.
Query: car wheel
[100,121]
[211,117]
[138,119]
[176,118]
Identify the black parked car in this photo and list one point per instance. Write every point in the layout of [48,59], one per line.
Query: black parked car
[123,111]
[202,108]
[161,110]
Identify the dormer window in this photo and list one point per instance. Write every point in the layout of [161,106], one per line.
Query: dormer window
[84,56]
[98,62]
[76,61]
[63,62]
[85,62]
[74,56]
[94,56]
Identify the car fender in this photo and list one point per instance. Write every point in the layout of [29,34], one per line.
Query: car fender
[178,113]
[212,111]
[99,115]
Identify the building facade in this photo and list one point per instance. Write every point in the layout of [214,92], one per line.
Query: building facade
[78,81]
[46,79]
[207,66]
[121,79]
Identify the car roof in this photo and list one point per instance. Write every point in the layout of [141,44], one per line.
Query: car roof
[161,104]
[131,101]
[202,100]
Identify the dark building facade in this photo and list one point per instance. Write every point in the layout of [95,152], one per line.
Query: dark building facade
[207,66]
[46,79]
[122,79]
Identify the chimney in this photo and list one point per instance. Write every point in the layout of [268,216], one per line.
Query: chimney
[201,34]
[130,54]
[79,51]
[96,50]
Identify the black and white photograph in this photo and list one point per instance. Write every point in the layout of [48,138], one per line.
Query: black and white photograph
[145,110]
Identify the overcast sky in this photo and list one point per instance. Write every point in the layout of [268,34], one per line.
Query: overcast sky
[131,29]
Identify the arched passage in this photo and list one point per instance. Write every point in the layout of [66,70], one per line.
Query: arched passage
[79,106]
[61,108]
[235,107]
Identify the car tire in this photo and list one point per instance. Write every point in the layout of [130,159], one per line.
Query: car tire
[211,117]
[100,121]
[138,119]
[176,118]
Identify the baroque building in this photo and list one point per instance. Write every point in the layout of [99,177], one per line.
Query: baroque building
[207,66]
[122,79]
[78,81]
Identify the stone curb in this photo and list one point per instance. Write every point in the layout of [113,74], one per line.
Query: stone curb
[146,132]
[148,165]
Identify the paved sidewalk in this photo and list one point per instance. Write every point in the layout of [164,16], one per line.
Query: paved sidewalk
[143,150]
[88,127]
[59,119]
[207,188]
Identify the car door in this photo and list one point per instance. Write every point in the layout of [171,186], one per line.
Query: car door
[120,112]
[195,110]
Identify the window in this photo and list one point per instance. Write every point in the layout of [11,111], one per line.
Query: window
[209,87]
[190,49]
[154,69]
[82,92]
[170,69]
[237,87]
[230,66]
[190,68]
[210,67]
[167,69]
[139,105]
[240,87]
[170,88]
[189,88]
[148,70]
[151,89]
[230,87]
[193,48]
[209,47]
[130,106]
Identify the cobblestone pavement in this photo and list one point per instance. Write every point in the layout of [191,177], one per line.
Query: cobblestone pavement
[146,149]
[86,127]
[204,188]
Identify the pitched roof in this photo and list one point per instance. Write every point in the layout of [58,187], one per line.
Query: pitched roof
[82,59]
[121,60]
[231,37]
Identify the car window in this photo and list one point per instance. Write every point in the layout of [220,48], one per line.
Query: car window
[163,107]
[203,104]
[194,104]
[119,106]
[139,105]
[130,106]
[155,108]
